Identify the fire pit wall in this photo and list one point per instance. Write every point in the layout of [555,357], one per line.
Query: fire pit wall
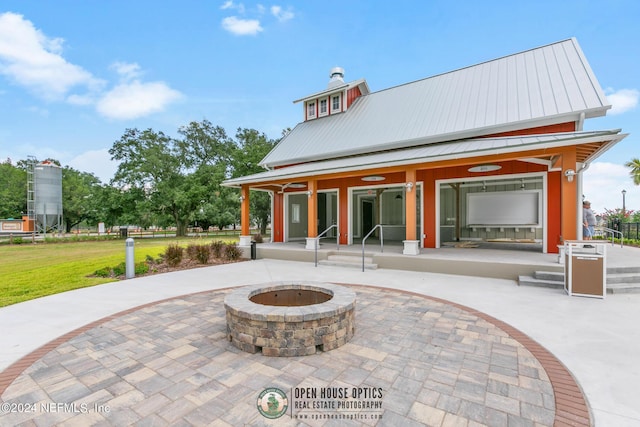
[299,330]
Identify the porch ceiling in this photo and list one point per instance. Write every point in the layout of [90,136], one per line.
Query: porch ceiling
[589,146]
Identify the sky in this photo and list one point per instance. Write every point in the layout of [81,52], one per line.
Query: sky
[74,75]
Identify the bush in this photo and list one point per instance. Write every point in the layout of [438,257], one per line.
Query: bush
[217,248]
[141,268]
[17,240]
[202,254]
[232,251]
[103,272]
[173,255]
[258,238]
[120,269]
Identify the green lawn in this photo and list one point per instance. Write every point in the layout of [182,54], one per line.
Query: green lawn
[29,271]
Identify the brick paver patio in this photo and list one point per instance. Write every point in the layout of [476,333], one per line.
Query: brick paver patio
[170,363]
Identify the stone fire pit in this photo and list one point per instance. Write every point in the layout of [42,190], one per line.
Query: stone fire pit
[290,318]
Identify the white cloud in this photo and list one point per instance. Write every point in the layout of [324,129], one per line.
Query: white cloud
[127,71]
[241,27]
[231,5]
[135,99]
[32,60]
[281,15]
[623,100]
[603,185]
[97,162]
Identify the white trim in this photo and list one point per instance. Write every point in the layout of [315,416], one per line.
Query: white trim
[337,191]
[339,109]
[326,100]
[307,107]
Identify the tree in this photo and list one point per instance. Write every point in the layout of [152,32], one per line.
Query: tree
[78,197]
[251,148]
[13,190]
[634,165]
[151,164]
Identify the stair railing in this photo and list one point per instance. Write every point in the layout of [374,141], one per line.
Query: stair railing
[322,234]
[614,233]
[381,241]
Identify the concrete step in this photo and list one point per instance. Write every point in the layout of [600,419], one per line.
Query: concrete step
[623,288]
[543,283]
[626,278]
[555,276]
[348,264]
[350,260]
[621,275]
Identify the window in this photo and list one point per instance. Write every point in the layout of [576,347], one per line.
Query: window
[295,213]
[323,107]
[335,103]
[311,110]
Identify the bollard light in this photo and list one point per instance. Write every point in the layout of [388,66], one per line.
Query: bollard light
[130,268]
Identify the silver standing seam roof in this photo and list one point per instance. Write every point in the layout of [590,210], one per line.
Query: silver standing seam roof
[543,86]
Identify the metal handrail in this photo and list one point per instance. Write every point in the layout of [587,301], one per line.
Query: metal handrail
[381,241]
[613,234]
[322,234]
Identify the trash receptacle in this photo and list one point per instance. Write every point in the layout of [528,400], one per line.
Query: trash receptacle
[124,232]
[253,249]
[585,268]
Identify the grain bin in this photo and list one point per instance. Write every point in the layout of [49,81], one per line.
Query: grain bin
[48,197]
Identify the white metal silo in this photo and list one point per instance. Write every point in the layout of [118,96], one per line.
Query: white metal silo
[48,197]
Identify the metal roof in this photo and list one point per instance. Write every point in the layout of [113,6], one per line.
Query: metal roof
[592,143]
[547,85]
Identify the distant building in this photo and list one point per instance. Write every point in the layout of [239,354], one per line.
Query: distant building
[491,151]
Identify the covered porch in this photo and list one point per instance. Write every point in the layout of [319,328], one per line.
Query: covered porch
[517,188]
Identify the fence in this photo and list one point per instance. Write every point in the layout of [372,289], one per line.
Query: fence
[630,230]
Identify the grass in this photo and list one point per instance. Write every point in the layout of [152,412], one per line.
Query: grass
[29,271]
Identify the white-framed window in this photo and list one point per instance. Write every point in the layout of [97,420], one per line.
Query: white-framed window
[323,107]
[336,104]
[311,110]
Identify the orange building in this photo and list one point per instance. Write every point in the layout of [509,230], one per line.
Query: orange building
[491,151]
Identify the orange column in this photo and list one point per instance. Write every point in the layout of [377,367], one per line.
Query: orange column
[410,205]
[569,218]
[554,211]
[429,207]
[277,222]
[245,222]
[312,211]
[344,213]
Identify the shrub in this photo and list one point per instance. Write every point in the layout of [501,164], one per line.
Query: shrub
[232,251]
[192,251]
[17,240]
[217,247]
[103,272]
[202,254]
[120,269]
[141,268]
[258,238]
[173,254]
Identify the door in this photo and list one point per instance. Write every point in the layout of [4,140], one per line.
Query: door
[367,216]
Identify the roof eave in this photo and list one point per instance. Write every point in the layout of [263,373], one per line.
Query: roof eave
[465,134]
[600,136]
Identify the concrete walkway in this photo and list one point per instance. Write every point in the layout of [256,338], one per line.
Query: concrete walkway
[597,340]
